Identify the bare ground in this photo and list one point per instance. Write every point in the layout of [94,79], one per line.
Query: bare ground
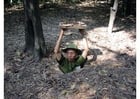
[110,75]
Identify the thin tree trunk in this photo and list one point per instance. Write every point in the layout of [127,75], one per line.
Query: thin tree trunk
[34,39]
[113,11]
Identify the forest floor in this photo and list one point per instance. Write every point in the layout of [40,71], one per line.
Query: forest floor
[110,75]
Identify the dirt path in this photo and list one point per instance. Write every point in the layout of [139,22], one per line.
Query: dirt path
[111,75]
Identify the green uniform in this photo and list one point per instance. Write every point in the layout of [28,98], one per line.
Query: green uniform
[66,66]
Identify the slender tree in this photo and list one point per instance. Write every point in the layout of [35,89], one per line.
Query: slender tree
[113,12]
[34,39]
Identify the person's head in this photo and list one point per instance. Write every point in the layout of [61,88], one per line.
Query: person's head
[72,52]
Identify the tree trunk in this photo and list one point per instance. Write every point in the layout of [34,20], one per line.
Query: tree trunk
[34,39]
[113,11]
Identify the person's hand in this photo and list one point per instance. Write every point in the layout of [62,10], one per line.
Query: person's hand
[64,29]
[82,31]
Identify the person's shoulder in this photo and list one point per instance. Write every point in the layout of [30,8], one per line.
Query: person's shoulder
[80,57]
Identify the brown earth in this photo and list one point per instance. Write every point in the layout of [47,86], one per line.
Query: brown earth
[110,75]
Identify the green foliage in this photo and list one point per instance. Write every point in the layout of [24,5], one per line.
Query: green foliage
[11,2]
[60,1]
[72,1]
[16,1]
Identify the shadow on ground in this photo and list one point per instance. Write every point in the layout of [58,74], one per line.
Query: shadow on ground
[112,75]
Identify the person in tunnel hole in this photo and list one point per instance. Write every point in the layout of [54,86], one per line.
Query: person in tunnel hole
[74,58]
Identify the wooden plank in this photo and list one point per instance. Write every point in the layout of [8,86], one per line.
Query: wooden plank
[75,25]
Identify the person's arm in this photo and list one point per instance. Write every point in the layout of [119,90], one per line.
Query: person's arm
[82,59]
[86,48]
[57,50]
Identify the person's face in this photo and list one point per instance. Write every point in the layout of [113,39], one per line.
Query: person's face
[71,55]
